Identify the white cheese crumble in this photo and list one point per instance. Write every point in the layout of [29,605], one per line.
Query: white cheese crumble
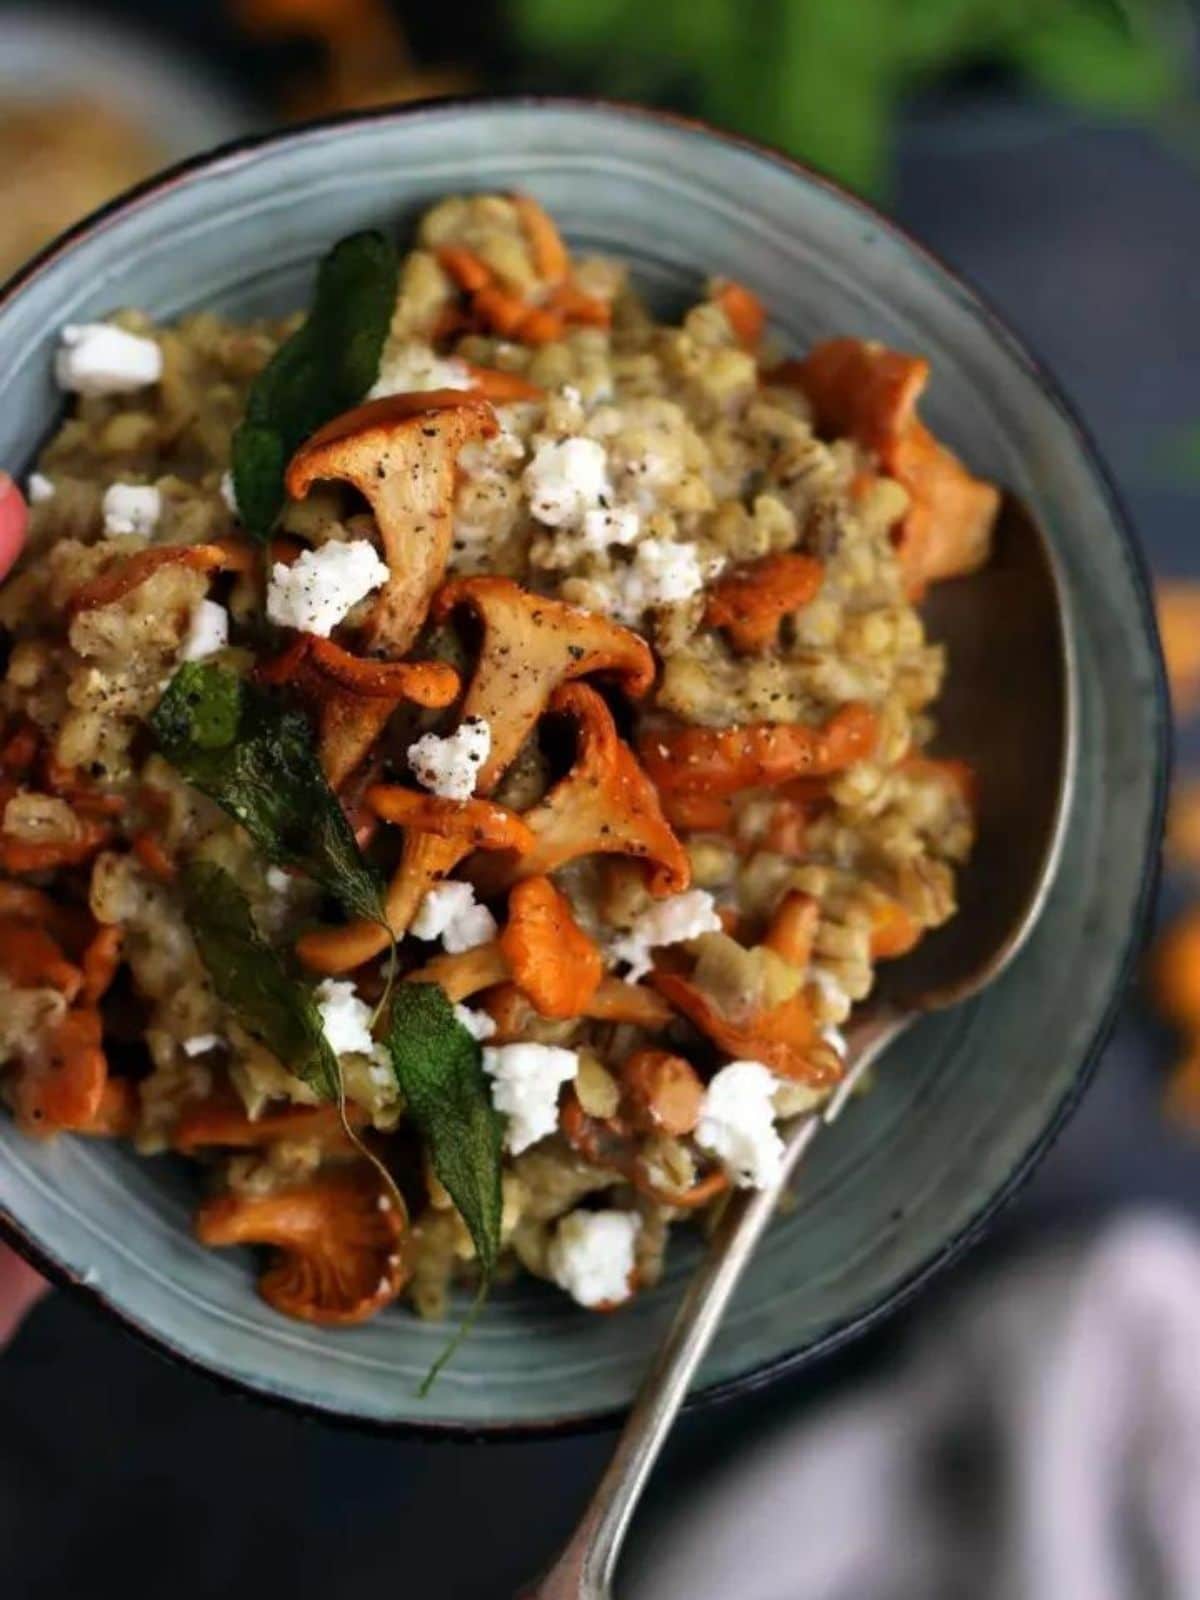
[96,358]
[415,368]
[663,573]
[317,591]
[566,479]
[201,1043]
[345,1018]
[669,921]
[131,508]
[477,1023]
[207,632]
[737,1124]
[38,488]
[526,1079]
[279,881]
[451,913]
[608,525]
[229,493]
[449,765]
[591,1256]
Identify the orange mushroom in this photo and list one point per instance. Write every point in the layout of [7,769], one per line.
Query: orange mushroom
[609,1142]
[438,834]
[116,1117]
[341,1242]
[743,310]
[614,1001]
[61,1087]
[793,927]
[605,805]
[661,1092]
[222,1121]
[552,959]
[466,972]
[31,958]
[124,575]
[784,1037]
[531,645]
[401,454]
[894,930]
[723,761]
[354,695]
[750,602]
[864,390]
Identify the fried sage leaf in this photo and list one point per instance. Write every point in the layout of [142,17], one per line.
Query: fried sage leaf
[326,367]
[254,755]
[251,979]
[438,1066]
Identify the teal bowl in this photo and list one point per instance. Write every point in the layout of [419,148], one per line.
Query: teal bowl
[970,1099]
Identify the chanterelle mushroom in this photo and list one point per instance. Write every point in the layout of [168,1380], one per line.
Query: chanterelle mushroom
[869,392]
[401,453]
[353,696]
[438,834]
[531,645]
[341,1242]
[606,805]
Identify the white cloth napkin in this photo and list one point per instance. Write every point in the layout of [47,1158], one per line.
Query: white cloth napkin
[1041,1442]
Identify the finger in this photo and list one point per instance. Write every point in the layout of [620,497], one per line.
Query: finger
[20,1287]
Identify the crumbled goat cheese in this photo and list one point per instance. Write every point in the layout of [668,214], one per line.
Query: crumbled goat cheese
[737,1124]
[96,358]
[526,1079]
[591,1256]
[345,1018]
[566,479]
[208,631]
[316,592]
[38,488]
[609,525]
[131,508]
[201,1043]
[229,493]
[450,765]
[663,573]
[450,912]
[477,1023]
[669,921]
[279,881]
[414,368]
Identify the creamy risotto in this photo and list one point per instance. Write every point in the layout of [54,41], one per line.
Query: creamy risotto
[464,755]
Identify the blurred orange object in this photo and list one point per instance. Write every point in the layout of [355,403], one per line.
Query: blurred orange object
[1179,625]
[1175,984]
[1183,826]
[367,59]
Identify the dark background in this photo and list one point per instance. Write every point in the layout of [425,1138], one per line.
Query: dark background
[117,1468]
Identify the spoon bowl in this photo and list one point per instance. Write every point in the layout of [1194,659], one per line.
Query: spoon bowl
[1009,709]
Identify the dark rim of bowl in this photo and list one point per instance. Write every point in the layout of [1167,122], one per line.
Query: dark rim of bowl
[974,301]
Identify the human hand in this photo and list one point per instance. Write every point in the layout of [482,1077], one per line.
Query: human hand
[20,1286]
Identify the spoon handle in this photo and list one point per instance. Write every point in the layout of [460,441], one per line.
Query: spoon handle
[585,1569]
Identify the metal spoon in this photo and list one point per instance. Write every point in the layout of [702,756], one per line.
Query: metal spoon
[1008,707]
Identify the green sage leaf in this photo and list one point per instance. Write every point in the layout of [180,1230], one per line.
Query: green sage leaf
[438,1065]
[253,754]
[251,978]
[326,367]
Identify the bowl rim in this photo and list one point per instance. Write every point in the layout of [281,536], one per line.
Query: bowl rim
[237,151]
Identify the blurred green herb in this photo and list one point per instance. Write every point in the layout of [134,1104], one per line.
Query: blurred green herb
[823,78]
[254,756]
[326,367]
[438,1066]
[251,979]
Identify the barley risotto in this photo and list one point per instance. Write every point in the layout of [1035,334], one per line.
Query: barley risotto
[464,754]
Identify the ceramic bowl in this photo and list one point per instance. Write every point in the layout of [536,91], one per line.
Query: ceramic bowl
[970,1099]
